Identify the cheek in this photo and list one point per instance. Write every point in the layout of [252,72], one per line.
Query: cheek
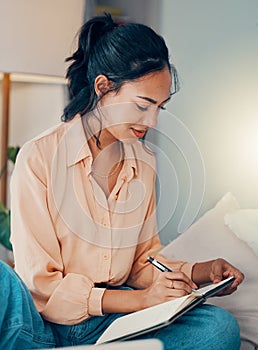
[119,114]
[121,130]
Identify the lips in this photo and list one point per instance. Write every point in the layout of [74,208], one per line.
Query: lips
[139,133]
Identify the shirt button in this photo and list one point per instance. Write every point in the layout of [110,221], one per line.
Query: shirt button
[105,257]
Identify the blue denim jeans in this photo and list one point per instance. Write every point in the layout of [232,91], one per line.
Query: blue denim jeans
[22,327]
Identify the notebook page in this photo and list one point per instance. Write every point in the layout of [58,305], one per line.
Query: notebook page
[143,319]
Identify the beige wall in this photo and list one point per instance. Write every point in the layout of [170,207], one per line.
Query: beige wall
[214,47]
[35,37]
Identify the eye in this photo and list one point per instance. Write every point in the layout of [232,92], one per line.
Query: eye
[141,108]
[162,107]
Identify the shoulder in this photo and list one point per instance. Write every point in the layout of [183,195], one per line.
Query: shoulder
[30,148]
[46,142]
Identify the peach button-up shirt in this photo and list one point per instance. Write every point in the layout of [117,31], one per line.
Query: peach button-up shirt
[68,237]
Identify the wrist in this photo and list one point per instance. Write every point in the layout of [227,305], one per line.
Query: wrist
[201,272]
[129,301]
[144,299]
[140,299]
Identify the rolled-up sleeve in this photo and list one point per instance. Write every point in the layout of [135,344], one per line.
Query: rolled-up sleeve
[61,297]
[95,301]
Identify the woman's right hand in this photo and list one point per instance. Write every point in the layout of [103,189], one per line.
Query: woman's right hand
[167,286]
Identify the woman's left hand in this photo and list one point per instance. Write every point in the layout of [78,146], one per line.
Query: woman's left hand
[221,269]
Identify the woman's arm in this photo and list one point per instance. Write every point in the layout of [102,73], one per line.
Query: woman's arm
[171,285]
[61,297]
[214,271]
[166,286]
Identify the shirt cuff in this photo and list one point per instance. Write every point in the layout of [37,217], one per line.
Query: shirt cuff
[95,302]
[187,268]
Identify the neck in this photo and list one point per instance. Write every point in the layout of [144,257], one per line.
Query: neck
[108,145]
[108,157]
[93,131]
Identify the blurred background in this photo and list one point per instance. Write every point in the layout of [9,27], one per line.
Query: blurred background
[207,142]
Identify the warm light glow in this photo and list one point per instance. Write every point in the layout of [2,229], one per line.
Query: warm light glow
[256,147]
[248,150]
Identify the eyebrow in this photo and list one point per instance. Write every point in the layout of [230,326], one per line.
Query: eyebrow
[153,101]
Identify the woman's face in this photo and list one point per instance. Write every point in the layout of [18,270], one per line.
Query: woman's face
[130,112]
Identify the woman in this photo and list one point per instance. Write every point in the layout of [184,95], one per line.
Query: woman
[83,207]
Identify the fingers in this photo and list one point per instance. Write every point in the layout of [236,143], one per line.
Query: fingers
[167,286]
[182,287]
[222,269]
[227,291]
[239,276]
[179,282]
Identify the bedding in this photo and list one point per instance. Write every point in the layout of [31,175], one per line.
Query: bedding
[244,223]
[209,238]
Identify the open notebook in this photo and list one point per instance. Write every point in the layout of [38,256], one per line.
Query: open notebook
[150,344]
[158,316]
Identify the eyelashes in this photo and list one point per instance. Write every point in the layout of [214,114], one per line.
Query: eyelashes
[145,109]
[141,108]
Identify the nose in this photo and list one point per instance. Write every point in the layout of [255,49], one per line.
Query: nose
[150,118]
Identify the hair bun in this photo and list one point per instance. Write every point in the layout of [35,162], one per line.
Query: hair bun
[95,28]
[91,32]
[101,25]
[109,23]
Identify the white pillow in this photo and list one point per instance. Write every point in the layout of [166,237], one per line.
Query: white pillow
[244,223]
[209,238]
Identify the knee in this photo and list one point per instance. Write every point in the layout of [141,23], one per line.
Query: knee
[4,268]
[6,273]
[12,287]
[225,329]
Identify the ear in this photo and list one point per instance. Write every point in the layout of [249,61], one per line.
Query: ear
[101,85]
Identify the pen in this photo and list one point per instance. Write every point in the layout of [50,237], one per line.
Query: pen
[161,267]
[158,264]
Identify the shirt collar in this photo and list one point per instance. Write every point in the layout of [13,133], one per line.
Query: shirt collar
[78,148]
[77,145]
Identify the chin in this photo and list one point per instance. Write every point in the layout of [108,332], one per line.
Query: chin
[129,140]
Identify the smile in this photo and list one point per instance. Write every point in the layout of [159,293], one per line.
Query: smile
[139,133]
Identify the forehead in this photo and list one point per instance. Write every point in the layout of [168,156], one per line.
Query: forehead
[156,85]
